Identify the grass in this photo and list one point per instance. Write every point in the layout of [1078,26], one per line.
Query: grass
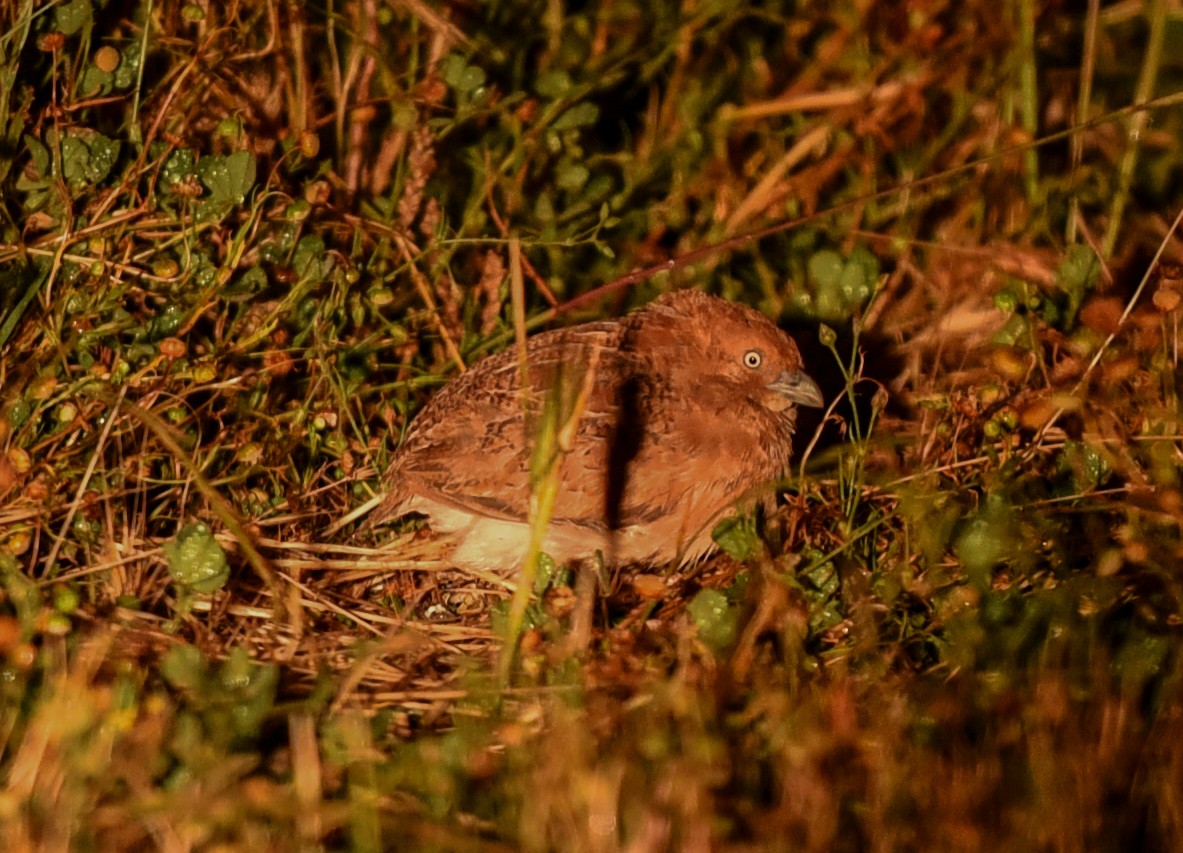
[239,249]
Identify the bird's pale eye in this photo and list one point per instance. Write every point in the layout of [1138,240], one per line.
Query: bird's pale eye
[753,358]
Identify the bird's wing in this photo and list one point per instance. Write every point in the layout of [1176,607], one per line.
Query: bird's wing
[472,446]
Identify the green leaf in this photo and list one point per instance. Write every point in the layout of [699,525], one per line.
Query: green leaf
[716,619]
[251,688]
[180,167]
[310,260]
[250,283]
[95,81]
[553,84]
[230,128]
[87,160]
[1077,274]
[546,573]
[461,76]
[228,178]
[184,667]
[472,78]
[580,115]
[1006,300]
[1085,464]
[842,285]
[499,618]
[72,16]
[128,71]
[825,268]
[20,594]
[196,561]
[451,69]
[572,176]
[860,274]
[1016,330]
[987,539]
[1080,270]
[40,155]
[737,536]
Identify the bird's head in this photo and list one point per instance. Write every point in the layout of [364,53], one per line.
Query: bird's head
[714,346]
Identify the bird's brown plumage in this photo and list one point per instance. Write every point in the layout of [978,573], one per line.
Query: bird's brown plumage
[690,403]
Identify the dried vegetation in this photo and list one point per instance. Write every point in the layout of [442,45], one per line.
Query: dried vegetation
[240,244]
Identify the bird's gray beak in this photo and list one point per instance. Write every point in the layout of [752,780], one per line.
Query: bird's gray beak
[799,388]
